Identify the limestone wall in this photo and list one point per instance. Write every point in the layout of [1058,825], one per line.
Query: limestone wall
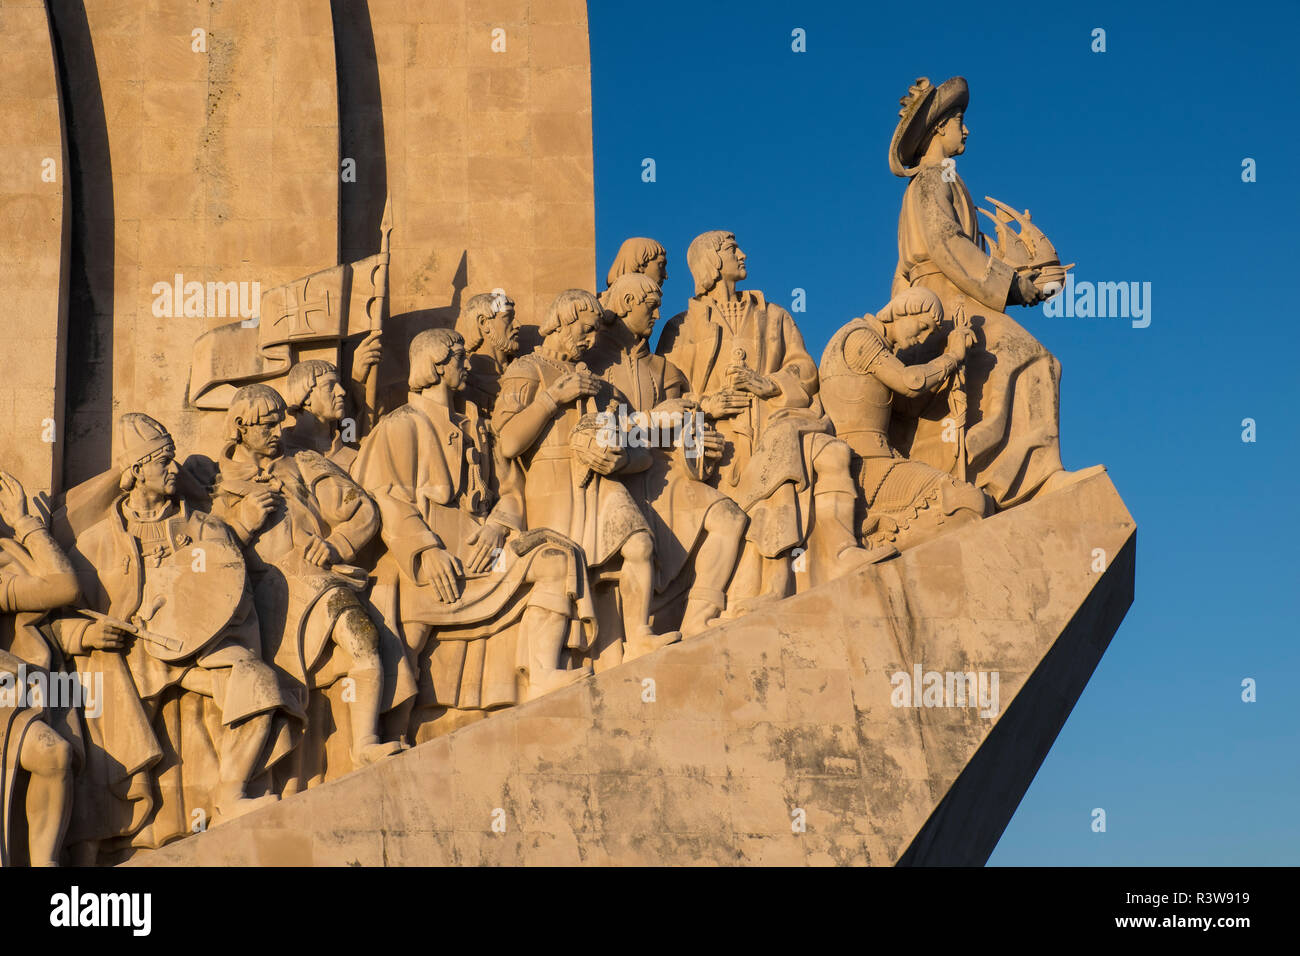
[208,141]
[34,247]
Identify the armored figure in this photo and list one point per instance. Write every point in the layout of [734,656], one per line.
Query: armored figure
[489,613]
[38,737]
[301,519]
[698,530]
[545,420]
[175,635]
[862,378]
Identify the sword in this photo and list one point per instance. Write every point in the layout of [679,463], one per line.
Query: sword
[957,400]
[750,430]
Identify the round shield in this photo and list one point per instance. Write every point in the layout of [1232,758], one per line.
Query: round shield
[190,597]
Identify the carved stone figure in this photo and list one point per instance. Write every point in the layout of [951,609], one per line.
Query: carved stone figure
[489,613]
[1013,443]
[544,418]
[784,466]
[698,530]
[862,377]
[174,633]
[487,324]
[315,397]
[38,737]
[642,255]
[301,519]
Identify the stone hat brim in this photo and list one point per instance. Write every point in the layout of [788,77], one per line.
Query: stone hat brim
[923,107]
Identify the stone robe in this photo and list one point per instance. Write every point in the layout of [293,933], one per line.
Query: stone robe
[298,603]
[484,381]
[599,515]
[671,492]
[438,478]
[1012,381]
[768,466]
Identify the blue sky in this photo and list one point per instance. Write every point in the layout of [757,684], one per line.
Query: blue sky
[1131,161]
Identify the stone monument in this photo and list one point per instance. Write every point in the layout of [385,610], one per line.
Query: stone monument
[318,547]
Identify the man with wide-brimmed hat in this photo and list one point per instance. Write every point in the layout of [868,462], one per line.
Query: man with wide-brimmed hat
[1013,444]
[175,636]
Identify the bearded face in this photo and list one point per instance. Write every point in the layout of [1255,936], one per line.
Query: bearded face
[578,336]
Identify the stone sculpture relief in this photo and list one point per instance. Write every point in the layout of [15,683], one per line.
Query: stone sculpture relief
[696,527]
[784,467]
[487,324]
[489,612]
[170,622]
[901,501]
[1012,448]
[337,581]
[41,740]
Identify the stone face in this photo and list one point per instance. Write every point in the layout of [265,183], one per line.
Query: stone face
[703,752]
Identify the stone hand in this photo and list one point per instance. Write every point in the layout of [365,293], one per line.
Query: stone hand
[1024,291]
[603,461]
[13,499]
[747,380]
[320,552]
[713,444]
[569,388]
[487,541]
[725,403]
[443,571]
[102,636]
[367,356]
[255,507]
[959,340]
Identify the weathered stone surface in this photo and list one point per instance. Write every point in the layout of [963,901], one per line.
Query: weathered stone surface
[487,154]
[212,157]
[34,246]
[224,164]
[703,752]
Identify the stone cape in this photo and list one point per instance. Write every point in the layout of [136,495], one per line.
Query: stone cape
[412,466]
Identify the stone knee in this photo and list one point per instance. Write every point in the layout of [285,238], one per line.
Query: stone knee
[726,519]
[550,566]
[45,753]
[357,635]
[960,497]
[830,465]
[640,547]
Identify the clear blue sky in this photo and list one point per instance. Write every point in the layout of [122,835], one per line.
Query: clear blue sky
[1130,160]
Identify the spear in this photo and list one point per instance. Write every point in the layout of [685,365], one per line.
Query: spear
[375,308]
